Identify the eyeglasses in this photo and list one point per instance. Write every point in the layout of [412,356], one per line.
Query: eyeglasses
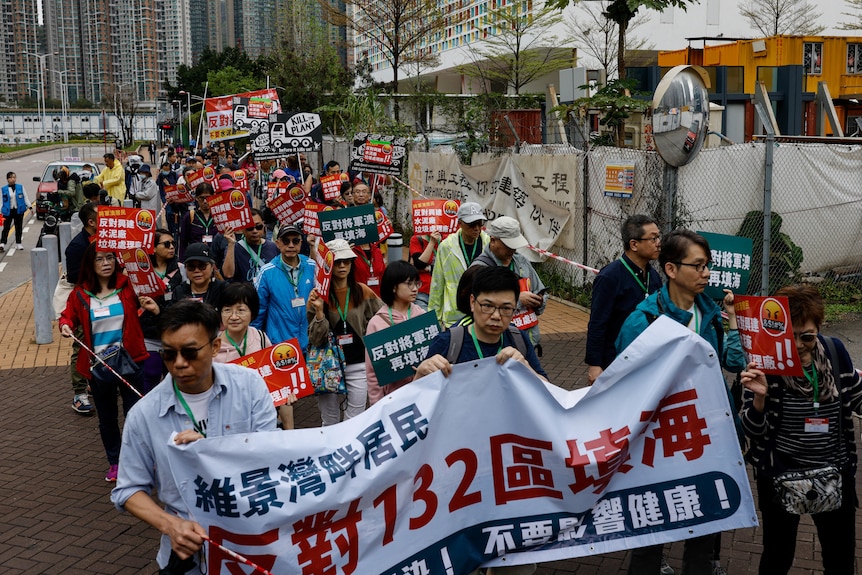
[229,311]
[102,259]
[654,239]
[189,353]
[505,310]
[295,241]
[196,265]
[167,244]
[258,227]
[807,337]
[413,284]
[697,267]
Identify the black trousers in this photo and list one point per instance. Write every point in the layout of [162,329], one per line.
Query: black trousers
[836,531]
[18,219]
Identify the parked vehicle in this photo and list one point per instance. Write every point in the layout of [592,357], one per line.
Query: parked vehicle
[46,192]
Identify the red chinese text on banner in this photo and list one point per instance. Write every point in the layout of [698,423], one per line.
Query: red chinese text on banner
[331,186]
[198,177]
[230,211]
[125,229]
[377,152]
[311,223]
[240,180]
[431,216]
[273,189]
[178,194]
[289,206]
[323,276]
[142,275]
[384,226]
[767,334]
[282,367]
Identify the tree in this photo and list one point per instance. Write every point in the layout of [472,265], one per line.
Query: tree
[230,80]
[597,36]
[125,107]
[193,78]
[856,15]
[614,101]
[522,49]
[622,12]
[775,17]
[399,29]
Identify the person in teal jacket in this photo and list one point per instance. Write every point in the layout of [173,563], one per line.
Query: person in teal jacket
[685,260]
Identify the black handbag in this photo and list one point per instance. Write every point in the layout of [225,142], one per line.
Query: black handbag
[120,361]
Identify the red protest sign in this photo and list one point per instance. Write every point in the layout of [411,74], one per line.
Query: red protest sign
[230,211]
[178,194]
[125,229]
[282,367]
[767,334]
[273,189]
[384,226]
[435,216]
[289,206]
[331,186]
[198,177]
[377,152]
[323,276]
[311,223]
[240,180]
[142,275]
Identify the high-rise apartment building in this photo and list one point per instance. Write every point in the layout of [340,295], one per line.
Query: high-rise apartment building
[19,40]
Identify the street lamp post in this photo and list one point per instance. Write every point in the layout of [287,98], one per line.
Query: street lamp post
[41,94]
[189,110]
[64,103]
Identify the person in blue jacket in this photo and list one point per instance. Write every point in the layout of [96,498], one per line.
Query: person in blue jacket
[283,286]
[15,204]
[685,259]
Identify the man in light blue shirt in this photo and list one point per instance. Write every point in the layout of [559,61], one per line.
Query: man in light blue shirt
[198,399]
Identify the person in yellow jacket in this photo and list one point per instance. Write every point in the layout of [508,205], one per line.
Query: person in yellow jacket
[113,178]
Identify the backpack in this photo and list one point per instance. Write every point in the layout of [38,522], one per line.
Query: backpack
[456,341]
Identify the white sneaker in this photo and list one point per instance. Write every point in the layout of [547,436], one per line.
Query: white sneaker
[665,568]
[19,246]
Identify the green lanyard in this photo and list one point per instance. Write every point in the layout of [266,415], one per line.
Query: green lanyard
[288,272]
[367,262]
[205,224]
[235,345]
[696,320]
[637,279]
[815,383]
[343,313]
[476,342]
[251,254]
[472,256]
[185,405]
[94,296]
[392,321]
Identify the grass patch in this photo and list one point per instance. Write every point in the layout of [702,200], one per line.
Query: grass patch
[562,287]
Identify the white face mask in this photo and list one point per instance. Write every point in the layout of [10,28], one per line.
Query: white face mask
[86,174]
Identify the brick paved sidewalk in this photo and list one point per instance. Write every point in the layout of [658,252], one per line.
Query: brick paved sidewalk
[56,516]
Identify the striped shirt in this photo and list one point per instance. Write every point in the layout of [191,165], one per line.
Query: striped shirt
[106,319]
[808,448]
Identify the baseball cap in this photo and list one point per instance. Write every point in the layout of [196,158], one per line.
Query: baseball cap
[508,231]
[279,174]
[470,212]
[340,249]
[289,229]
[199,252]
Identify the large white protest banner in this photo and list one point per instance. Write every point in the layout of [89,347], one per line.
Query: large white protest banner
[487,466]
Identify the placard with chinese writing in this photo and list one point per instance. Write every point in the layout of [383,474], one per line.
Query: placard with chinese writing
[378,154]
[331,186]
[323,274]
[125,229]
[357,225]
[282,367]
[178,194]
[384,226]
[731,264]
[431,216]
[396,350]
[198,177]
[230,211]
[311,221]
[289,205]
[767,334]
[240,180]
[142,275]
[619,180]
[220,113]
[289,135]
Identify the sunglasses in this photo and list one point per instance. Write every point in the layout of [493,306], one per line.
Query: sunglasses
[167,244]
[188,353]
[807,337]
[195,265]
[294,241]
[258,227]
[476,224]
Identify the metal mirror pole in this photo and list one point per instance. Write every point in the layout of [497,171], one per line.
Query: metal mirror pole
[671,177]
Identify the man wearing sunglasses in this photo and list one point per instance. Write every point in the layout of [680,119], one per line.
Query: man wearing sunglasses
[245,258]
[454,255]
[198,399]
[284,285]
[685,259]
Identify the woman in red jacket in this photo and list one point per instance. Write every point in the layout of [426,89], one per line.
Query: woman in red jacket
[104,304]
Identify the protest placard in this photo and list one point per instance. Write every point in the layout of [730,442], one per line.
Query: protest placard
[384,226]
[378,154]
[125,229]
[289,206]
[357,225]
[196,178]
[141,273]
[178,194]
[282,367]
[431,216]
[331,186]
[396,350]
[230,211]
[323,275]
[766,334]
[311,217]
[220,113]
[240,180]
[731,264]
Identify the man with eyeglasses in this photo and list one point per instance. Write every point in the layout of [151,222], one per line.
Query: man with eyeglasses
[245,257]
[685,260]
[283,286]
[493,302]
[619,288]
[198,399]
[454,255]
